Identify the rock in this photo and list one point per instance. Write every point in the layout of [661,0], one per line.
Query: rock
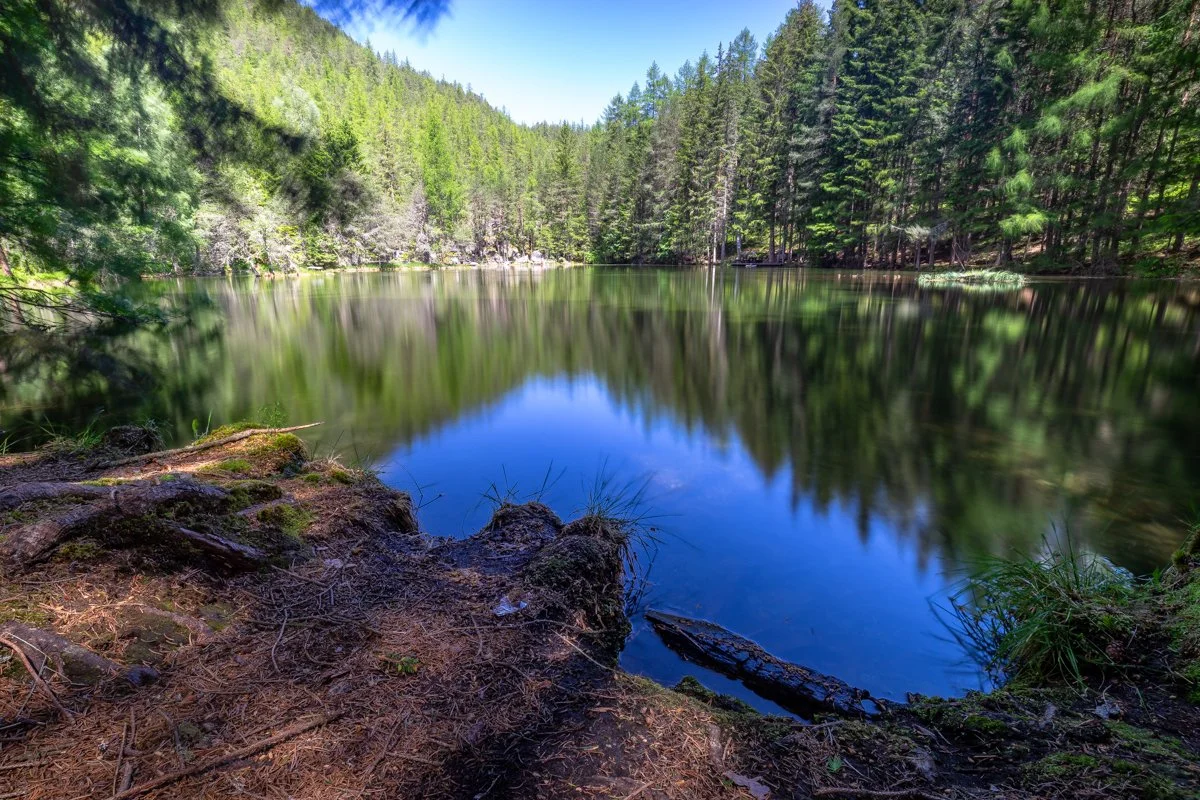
[757,789]
[1108,709]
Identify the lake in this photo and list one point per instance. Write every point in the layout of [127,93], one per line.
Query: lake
[821,456]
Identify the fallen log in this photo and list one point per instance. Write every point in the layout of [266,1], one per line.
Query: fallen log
[795,688]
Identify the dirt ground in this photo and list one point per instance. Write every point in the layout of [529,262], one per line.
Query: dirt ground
[273,627]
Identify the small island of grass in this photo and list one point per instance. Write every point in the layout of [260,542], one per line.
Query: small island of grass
[979,278]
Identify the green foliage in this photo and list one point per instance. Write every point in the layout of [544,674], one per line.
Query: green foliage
[443,192]
[977,277]
[400,664]
[246,136]
[1047,619]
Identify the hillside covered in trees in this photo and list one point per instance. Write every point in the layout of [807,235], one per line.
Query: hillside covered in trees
[878,133]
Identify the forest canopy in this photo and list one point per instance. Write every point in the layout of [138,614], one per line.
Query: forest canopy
[149,137]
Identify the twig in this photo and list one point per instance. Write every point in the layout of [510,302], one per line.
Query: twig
[850,791]
[38,680]
[126,776]
[236,755]
[116,781]
[197,448]
[279,639]
[581,652]
[637,791]
[298,576]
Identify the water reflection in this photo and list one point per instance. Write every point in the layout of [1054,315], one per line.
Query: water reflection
[875,432]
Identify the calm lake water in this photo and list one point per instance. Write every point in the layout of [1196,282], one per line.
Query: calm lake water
[824,455]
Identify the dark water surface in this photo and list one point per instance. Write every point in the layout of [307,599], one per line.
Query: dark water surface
[825,454]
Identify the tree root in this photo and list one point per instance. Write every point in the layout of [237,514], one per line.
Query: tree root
[37,649]
[227,551]
[28,544]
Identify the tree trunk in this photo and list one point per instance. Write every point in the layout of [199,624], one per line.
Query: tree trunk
[4,265]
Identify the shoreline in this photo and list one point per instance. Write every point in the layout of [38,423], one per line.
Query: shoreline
[229,594]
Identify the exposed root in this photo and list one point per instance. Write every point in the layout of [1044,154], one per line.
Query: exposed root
[25,544]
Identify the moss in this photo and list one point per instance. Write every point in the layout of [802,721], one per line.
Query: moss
[79,550]
[400,664]
[227,430]
[286,452]
[153,637]
[1189,552]
[229,465]
[105,482]
[1057,766]
[1191,674]
[1184,630]
[1148,743]
[246,493]
[217,615]
[311,477]
[583,574]
[987,726]
[691,687]
[288,519]
[282,443]
[976,715]
[23,609]
[341,476]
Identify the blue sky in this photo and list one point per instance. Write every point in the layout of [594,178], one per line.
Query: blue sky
[565,59]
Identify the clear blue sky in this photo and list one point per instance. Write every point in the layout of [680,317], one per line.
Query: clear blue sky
[565,59]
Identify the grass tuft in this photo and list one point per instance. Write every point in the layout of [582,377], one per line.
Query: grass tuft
[1049,619]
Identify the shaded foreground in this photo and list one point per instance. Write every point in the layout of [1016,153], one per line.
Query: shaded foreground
[237,620]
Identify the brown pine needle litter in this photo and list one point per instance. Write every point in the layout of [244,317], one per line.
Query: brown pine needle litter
[344,654]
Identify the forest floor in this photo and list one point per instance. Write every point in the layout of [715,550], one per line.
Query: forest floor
[235,620]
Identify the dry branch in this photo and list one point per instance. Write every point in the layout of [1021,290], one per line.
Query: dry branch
[199,448]
[236,755]
[794,687]
[35,673]
[77,663]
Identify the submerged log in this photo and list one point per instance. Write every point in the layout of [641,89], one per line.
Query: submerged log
[796,688]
